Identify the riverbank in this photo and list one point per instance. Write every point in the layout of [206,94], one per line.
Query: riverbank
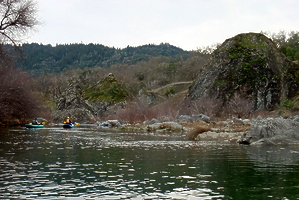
[228,131]
[257,131]
[272,130]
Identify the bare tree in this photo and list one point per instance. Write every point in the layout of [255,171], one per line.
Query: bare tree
[17,102]
[18,17]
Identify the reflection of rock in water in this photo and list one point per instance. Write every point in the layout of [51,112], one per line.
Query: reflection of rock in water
[274,131]
[274,155]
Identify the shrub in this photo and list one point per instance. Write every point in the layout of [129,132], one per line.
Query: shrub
[288,103]
[209,107]
[18,103]
[198,129]
[239,106]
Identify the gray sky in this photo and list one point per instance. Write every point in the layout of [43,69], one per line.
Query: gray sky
[188,24]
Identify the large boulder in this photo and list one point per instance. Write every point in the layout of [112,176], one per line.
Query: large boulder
[251,66]
[276,130]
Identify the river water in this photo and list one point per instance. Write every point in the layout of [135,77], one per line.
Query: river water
[87,162]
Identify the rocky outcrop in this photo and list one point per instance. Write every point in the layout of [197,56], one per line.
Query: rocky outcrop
[249,65]
[72,103]
[87,105]
[194,118]
[71,98]
[272,131]
[106,90]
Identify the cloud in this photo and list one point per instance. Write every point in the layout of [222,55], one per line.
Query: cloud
[188,24]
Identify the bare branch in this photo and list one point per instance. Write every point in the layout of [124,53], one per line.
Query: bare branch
[17,19]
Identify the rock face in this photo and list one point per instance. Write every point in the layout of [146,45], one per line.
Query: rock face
[272,131]
[72,104]
[86,105]
[249,65]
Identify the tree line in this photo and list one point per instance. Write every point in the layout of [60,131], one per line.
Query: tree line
[287,43]
[41,59]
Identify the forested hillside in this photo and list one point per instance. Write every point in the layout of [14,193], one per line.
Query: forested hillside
[40,59]
[155,79]
[151,80]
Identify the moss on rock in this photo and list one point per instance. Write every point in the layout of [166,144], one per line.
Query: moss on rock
[108,89]
[249,64]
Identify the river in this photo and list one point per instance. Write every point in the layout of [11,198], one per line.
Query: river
[87,162]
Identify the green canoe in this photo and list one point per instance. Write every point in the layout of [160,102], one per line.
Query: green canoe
[34,125]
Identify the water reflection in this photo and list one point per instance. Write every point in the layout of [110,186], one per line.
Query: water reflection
[88,163]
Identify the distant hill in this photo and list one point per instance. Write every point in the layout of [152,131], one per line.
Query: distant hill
[40,59]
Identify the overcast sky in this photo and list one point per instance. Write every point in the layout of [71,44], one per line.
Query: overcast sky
[188,24]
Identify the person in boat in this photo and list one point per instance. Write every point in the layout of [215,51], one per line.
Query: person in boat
[68,120]
[35,122]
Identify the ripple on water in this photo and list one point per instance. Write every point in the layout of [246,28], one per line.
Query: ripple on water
[85,164]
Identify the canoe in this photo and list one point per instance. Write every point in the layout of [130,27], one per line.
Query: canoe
[34,125]
[68,125]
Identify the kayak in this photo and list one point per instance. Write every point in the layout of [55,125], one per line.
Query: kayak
[68,125]
[34,125]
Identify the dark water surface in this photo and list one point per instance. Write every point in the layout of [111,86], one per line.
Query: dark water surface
[89,163]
